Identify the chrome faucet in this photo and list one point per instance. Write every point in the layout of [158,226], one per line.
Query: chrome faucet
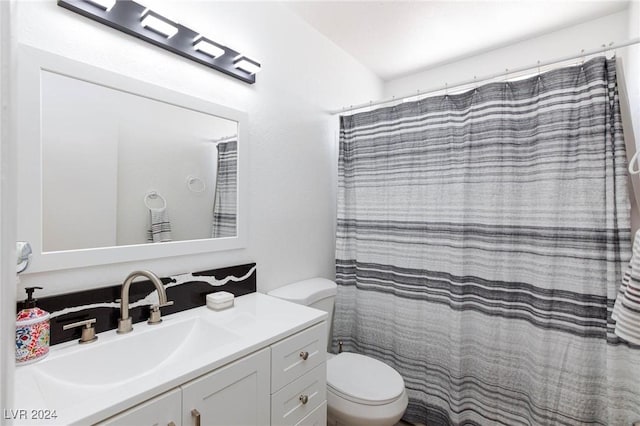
[125,323]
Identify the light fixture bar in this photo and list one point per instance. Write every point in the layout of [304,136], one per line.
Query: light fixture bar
[131,18]
[158,24]
[104,4]
[210,48]
[246,64]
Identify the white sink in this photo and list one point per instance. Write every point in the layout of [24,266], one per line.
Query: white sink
[85,384]
[116,359]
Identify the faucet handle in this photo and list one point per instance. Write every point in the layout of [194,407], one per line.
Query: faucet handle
[88,330]
[154,318]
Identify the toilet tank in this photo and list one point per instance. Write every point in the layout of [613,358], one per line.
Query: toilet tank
[319,293]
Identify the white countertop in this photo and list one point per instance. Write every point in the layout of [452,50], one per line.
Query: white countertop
[256,321]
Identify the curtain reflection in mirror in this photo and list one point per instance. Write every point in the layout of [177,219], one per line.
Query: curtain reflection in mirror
[225,198]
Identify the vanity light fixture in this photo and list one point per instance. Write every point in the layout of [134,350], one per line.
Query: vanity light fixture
[246,64]
[210,48]
[157,23]
[137,20]
[104,4]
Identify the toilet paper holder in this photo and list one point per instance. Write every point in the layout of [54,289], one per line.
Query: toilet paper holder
[23,250]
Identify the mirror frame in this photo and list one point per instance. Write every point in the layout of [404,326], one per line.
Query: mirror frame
[31,62]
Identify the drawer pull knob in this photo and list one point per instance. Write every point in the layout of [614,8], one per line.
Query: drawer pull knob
[304,398]
[304,355]
[196,416]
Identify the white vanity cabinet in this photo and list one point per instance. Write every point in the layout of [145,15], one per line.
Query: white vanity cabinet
[299,378]
[164,410]
[282,384]
[262,362]
[234,395]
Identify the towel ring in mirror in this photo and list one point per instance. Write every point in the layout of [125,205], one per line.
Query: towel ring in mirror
[196,184]
[153,195]
[632,162]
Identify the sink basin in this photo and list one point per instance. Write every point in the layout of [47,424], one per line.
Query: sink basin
[116,359]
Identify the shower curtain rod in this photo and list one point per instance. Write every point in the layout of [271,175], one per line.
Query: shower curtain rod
[420,94]
[225,139]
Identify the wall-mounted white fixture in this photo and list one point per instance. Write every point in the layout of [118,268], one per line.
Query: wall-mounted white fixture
[23,249]
[196,184]
[137,20]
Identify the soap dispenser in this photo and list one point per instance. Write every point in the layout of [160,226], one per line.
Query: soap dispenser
[32,331]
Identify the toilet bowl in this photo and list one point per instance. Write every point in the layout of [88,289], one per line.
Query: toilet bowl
[361,391]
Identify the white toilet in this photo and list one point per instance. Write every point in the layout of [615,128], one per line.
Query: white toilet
[361,391]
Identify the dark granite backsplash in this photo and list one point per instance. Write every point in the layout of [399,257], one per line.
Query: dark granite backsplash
[187,291]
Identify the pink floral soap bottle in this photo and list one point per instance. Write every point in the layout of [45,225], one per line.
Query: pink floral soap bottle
[32,331]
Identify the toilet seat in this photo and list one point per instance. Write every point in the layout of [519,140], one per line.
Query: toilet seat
[363,380]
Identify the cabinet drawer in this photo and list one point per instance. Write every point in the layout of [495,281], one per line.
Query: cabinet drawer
[297,400]
[288,356]
[318,417]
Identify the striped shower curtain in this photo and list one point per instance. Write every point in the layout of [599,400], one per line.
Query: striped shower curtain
[226,192]
[480,242]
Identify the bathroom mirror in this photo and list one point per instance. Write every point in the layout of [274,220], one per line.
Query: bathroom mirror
[112,169]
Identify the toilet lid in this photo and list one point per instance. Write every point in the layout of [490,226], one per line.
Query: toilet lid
[363,380]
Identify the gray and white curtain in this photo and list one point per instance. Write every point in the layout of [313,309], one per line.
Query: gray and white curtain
[225,197]
[480,242]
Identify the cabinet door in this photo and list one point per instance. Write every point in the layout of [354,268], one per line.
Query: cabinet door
[163,410]
[234,395]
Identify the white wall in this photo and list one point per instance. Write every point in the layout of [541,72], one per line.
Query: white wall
[7,206]
[631,57]
[568,41]
[82,156]
[158,150]
[293,139]
[161,160]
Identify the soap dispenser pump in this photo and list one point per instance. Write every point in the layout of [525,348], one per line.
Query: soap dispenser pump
[32,331]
